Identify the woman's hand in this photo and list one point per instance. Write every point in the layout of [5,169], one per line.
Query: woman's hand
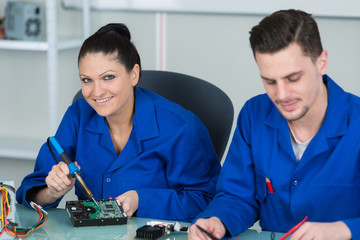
[59,182]
[129,201]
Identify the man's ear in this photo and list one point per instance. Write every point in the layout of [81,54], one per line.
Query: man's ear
[322,62]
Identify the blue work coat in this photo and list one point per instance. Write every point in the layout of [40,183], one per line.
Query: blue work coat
[169,158]
[324,185]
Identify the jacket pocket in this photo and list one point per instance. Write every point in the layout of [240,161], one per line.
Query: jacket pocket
[271,210]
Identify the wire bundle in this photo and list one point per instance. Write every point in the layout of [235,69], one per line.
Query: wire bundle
[11,227]
[5,207]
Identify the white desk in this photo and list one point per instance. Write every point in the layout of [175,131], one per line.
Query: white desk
[58,226]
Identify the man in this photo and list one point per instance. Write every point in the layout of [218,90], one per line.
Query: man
[296,150]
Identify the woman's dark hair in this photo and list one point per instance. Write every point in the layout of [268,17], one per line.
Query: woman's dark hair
[113,38]
[280,29]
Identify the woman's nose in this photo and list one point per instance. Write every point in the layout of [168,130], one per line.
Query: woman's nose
[98,90]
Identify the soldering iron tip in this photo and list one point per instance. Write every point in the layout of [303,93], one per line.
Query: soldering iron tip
[97,204]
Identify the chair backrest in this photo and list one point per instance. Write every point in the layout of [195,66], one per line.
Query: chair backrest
[208,102]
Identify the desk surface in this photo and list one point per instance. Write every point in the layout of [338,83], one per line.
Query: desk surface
[58,226]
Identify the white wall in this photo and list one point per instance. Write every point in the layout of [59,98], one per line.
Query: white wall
[211,47]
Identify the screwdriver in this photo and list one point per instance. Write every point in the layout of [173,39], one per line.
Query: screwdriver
[74,170]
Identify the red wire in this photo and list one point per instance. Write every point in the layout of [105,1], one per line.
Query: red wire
[293,229]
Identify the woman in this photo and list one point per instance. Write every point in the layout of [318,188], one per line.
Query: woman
[152,155]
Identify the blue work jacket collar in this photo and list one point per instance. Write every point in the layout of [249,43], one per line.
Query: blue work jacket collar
[335,121]
[144,120]
[145,124]
[334,124]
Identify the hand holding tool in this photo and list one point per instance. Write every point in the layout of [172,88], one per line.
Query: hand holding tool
[74,170]
[207,233]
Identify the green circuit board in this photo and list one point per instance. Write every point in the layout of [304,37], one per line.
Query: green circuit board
[87,213]
[108,209]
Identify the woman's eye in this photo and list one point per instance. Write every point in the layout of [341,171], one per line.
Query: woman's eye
[109,77]
[86,80]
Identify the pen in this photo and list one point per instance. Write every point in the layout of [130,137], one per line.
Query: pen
[268,183]
[207,233]
[293,229]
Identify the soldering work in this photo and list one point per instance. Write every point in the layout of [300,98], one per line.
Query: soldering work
[88,212]
[106,211]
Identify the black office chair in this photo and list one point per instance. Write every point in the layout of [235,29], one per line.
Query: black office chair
[208,102]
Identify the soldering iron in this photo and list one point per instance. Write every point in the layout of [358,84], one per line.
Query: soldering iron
[74,170]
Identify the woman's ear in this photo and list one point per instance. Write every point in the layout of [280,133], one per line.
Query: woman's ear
[135,74]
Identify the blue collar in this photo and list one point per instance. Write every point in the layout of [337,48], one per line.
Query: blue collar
[335,121]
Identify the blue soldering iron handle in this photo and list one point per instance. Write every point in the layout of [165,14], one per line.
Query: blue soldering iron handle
[72,166]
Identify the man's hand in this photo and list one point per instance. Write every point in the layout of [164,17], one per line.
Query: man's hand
[129,202]
[328,231]
[212,225]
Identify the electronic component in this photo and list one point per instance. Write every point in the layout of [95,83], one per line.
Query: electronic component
[23,20]
[8,185]
[87,213]
[150,232]
[156,229]
[10,229]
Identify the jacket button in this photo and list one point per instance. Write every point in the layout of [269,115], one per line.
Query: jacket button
[108,180]
[295,183]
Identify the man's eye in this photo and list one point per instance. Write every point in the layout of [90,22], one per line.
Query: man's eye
[294,78]
[268,82]
[109,77]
